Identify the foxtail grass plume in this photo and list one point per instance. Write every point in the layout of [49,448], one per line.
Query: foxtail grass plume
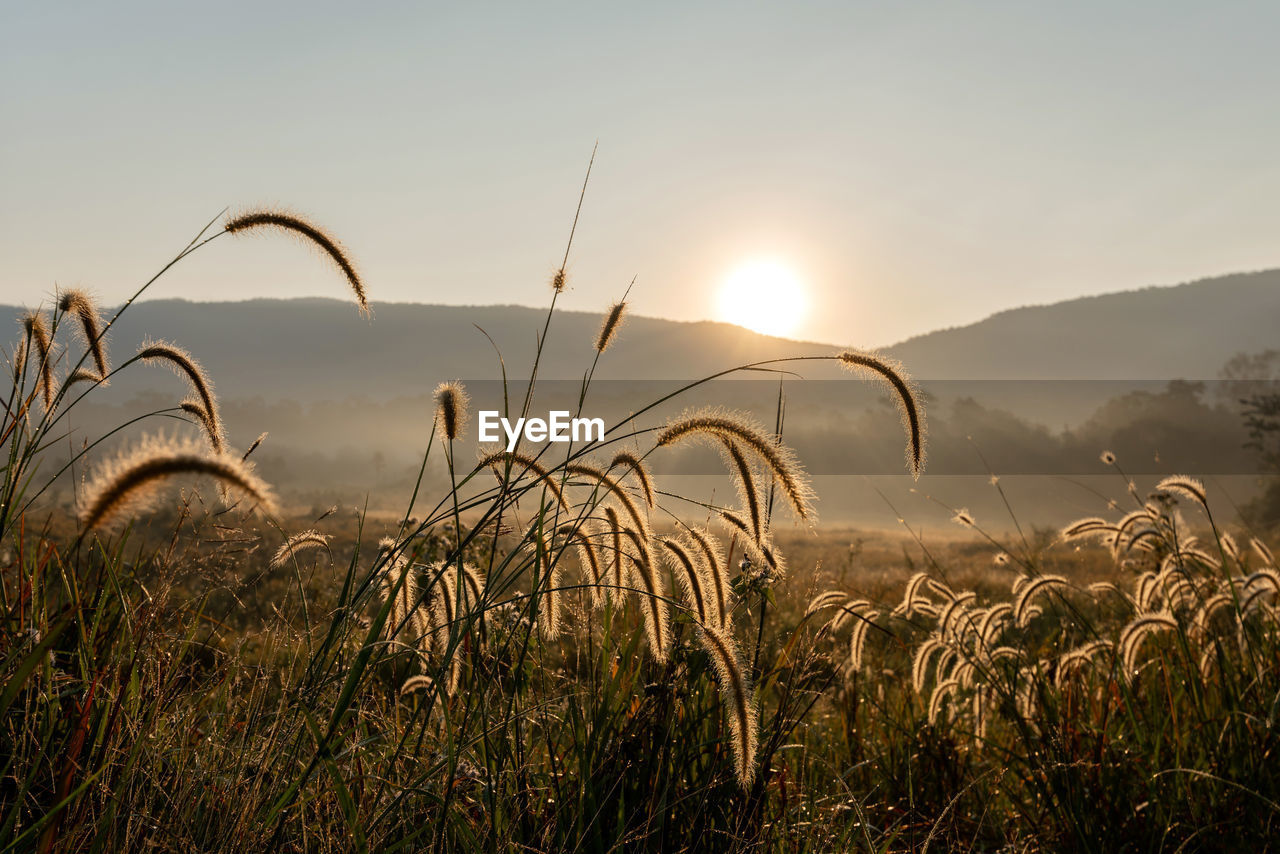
[609,328]
[615,489]
[495,458]
[1083,528]
[181,363]
[964,518]
[38,333]
[588,558]
[920,663]
[550,596]
[761,551]
[129,483]
[716,568]
[256,442]
[81,375]
[1043,584]
[1261,550]
[858,640]
[193,408]
[77,302]
[739,700]
[628,460]
[941,692]
[1187,487]
[778,458]
[913,420]
[298,543]
[653,597]
[259,220]
[681,562]
[1136,632]
[747,492]
[451,410]
[617,587]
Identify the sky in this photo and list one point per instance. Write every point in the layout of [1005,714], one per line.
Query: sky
[909,166]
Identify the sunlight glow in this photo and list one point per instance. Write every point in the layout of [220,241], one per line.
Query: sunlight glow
[764,295]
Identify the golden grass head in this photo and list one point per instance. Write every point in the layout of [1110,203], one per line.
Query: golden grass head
[37,329]
[964,518]
[131,482]
[1261,550]
[212,431]
[297,544]
[77,302]
[256,442]
[82,375]
[739,700]
[609,327]
[1187,487]
[451,409]
[908,398]
[181,363]
[277,220]
[716,567]
[717,425]
[1108,458]
[683,565]
[1136,632]
[628,460]
[558,281]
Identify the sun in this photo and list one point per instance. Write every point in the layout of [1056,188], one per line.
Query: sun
[764,295]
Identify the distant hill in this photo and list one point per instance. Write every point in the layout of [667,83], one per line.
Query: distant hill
[1185,331]
[347,399]
[320,349]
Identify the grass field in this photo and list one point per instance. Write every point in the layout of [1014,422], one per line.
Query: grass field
[557,657]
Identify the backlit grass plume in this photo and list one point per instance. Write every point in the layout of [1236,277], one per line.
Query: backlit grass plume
[626,459]
[747,492]
[259,220]
[77,302]
[609,328]
[616,490]
[1188,487]
[128,484]
[619,575]
[778,458]
[496,458]
[682,564]
[588,557]
[182,364]
[738,700]
[1136,632]
[451,409]
[717,570]
[195,410]
[653,604]
[908,400]
[298,543]
[38,334]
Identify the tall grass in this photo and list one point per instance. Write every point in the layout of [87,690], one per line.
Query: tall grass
[559,656]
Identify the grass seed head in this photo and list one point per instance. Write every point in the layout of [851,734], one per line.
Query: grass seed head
[451,409]
[276,220]
[131,482]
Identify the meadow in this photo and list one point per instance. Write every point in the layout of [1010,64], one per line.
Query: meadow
[557,654]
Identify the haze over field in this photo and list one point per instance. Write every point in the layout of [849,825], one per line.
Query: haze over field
[1032,392]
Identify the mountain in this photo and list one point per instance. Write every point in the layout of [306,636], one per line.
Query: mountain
[320,349]
[347,400]
[1184,331]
